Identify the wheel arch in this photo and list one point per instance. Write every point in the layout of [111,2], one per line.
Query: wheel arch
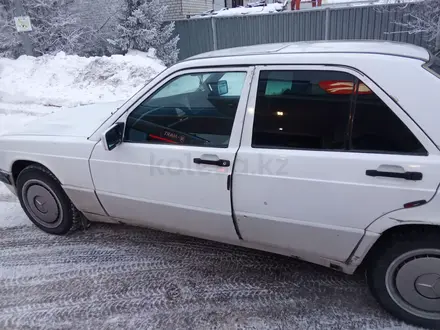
[400,230]
[20,164]
[77,186]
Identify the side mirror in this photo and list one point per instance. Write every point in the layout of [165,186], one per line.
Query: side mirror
[113,136]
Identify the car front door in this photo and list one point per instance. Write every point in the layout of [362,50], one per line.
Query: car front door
[324,153]
[172,169]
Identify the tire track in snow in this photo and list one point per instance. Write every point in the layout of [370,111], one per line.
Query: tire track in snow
[113,277]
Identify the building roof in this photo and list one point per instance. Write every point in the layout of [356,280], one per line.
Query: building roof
[361,47]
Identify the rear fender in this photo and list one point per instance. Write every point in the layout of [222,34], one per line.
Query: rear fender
[427,214]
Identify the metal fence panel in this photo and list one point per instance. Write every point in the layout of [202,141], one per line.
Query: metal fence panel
[195,36]
[363,22]
[372,22]
[269,28]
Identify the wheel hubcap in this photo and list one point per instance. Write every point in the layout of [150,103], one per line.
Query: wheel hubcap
[42,203]
[413,282]
[428,285]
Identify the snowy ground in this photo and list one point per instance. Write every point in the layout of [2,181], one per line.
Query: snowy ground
[117,277]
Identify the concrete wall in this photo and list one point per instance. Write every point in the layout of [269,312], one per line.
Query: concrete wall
[175,9]
[95,13]
[192,7]
[219,4]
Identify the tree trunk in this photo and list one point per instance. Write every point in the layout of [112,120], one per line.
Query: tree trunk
[437,40]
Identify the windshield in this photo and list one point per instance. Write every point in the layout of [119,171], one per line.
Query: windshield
[435,65]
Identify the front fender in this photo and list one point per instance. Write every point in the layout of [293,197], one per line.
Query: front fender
[66,157]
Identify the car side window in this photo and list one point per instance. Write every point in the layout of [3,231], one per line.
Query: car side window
[377,129]
[312,110]
[302,110]
[193,109]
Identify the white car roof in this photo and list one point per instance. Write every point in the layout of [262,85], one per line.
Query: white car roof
[320,47]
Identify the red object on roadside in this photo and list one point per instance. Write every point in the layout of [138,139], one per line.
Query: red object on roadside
[295,4]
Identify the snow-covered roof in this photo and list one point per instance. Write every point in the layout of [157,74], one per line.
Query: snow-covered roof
[368,47]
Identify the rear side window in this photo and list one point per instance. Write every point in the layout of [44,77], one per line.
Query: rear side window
[294,110]
[377,129]
[326,110]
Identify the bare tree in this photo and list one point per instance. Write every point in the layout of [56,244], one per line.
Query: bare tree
[55,28]
[422,17]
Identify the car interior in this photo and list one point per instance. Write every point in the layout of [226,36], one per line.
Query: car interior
[201,117]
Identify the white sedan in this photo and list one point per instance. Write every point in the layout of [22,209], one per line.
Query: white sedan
[328,152]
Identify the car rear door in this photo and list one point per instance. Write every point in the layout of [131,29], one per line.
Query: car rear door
[324,153]
[172,169]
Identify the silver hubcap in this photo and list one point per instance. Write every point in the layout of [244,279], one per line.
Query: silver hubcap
[42,203]
[413,282]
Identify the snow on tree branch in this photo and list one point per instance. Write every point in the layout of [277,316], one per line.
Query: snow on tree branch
[142,27]
[55,28]
[421,17]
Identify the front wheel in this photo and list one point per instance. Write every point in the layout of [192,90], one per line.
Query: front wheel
[44,200]
[405,279]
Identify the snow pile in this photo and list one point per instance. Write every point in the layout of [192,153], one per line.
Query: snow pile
[268,9]
[70,80]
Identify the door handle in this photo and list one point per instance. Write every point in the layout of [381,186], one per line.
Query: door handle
[218,162]
[413,176]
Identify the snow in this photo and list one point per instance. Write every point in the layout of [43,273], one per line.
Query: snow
[11,214]
[69,80]
[305,5]
[270,8]
[33,87]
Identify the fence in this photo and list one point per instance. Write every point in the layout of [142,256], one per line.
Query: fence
[366,22]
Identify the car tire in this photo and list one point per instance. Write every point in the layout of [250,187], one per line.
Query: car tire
[44,201]
[404,276]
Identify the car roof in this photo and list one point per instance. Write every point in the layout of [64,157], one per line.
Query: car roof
[316,47]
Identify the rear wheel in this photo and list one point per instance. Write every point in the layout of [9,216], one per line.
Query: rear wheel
[44,201]
[405,279]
